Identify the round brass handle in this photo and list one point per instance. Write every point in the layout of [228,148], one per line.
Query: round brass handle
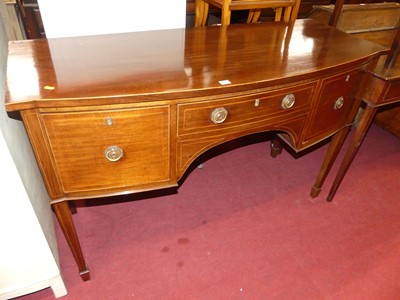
[338,103]
[113,153]
[288,101]
[219,115]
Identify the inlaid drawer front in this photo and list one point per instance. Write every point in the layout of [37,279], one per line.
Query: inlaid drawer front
[238,112]
[109,149]
[336,101]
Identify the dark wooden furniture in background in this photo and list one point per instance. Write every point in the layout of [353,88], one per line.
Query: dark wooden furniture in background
[383,90]
[380,23]
[376,22]
[31,18]
[136,119]
[372,20]
[389,119]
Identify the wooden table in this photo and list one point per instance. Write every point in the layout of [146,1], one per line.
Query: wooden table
[383,90]
[124,113]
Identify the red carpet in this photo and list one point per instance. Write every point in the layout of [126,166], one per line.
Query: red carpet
[244,227]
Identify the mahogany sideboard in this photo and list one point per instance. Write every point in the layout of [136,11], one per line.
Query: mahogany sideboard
[123,113]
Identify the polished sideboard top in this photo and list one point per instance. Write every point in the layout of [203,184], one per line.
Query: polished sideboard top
[171,64]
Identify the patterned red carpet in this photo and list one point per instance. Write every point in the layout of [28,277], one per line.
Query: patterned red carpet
[244,227]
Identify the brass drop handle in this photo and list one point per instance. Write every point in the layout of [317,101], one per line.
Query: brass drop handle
[288,101]
[219,115]
[113,153]
[338,103]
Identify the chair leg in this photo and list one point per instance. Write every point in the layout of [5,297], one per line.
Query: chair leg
[250,16]
[276,148]
[198,11]
[278,14]
[201,13]
[295,11]
[288,12]
[225,13]
[257,16]
[205,14]
[254,15]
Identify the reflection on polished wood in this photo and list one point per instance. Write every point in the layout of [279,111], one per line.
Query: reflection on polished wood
[150,96]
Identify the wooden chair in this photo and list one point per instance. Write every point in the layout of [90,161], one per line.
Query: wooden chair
[285,10]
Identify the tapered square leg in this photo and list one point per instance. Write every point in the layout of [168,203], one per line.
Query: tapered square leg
[64,217]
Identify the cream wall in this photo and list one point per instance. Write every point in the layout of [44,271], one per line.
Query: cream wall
[63,18]
[28,252]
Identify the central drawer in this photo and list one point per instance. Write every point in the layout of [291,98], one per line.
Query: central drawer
[109,149]
[237,113]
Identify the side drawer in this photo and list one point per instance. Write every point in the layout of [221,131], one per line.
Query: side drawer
[237,113]
[109,149]
[334,106]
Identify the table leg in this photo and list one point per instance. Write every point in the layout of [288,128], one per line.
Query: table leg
[359,134]
[276,147]
[333,151]
[64,217]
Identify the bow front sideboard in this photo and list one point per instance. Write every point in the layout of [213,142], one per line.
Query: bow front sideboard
[123,113]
